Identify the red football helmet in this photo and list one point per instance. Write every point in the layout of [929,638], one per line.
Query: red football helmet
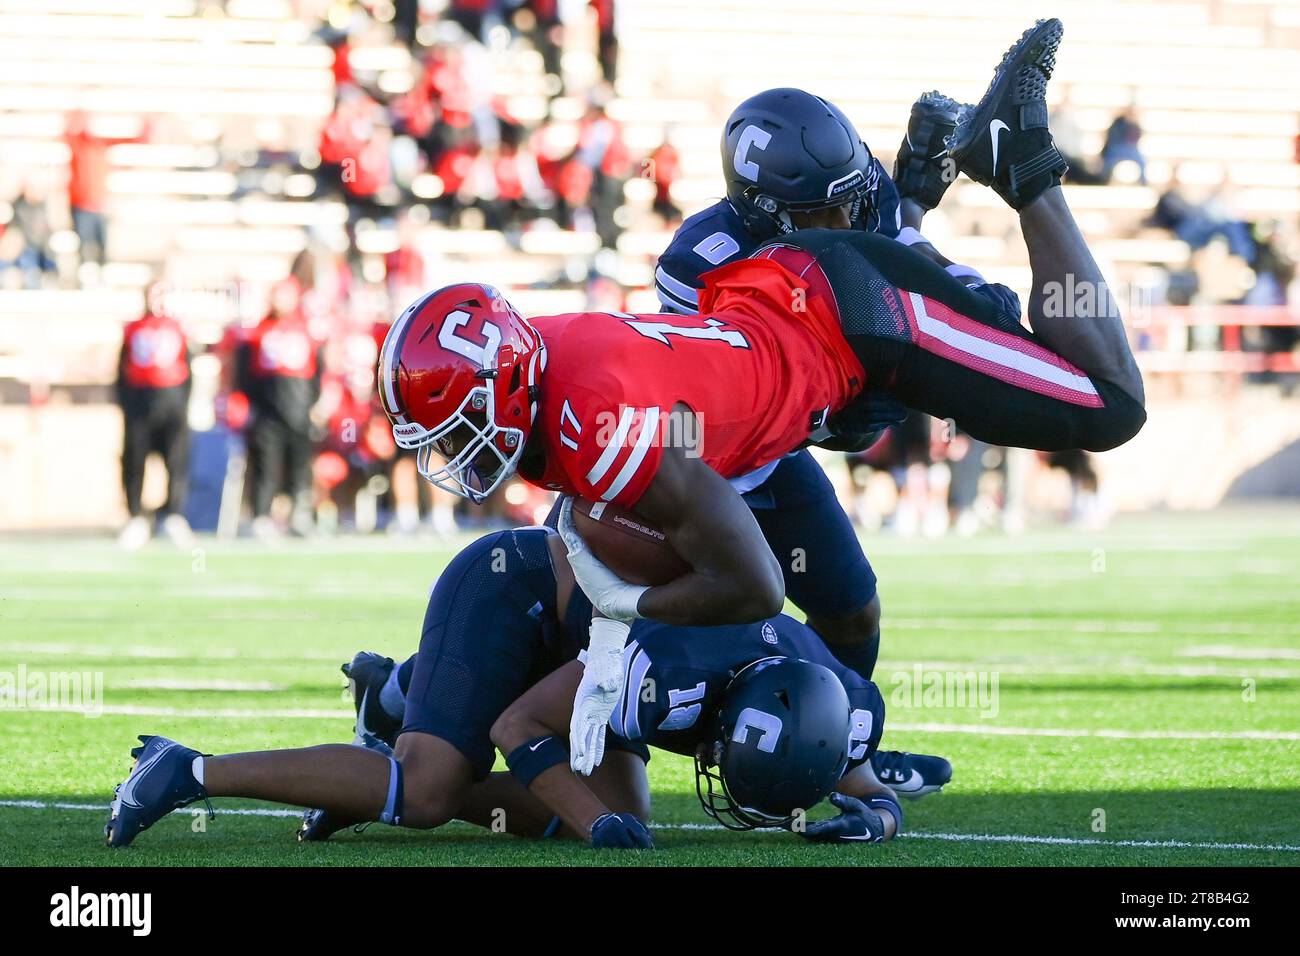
[458,377]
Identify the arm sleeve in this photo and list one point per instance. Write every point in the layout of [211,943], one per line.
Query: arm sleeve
[674,294]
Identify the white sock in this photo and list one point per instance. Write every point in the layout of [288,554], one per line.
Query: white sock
[196,768]
[391,698]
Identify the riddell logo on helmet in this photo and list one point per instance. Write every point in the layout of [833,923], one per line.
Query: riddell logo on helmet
[409,430]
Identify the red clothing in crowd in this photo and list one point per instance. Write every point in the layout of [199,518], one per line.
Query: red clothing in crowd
[282,348]
[154,353]
[604,15]
[665,169]
[405,269]
[454,165]
[88,164]
[449,87]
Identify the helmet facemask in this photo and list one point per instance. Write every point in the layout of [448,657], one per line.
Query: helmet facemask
[478,455]
[717,801]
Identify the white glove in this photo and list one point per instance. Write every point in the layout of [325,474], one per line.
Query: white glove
[598,694]
[609,594]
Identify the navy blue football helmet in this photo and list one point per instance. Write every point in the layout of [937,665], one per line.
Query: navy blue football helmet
[779,744]
[785,150]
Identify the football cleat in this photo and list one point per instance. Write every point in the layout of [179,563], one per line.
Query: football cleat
[160,781]
[319,825]
[922,168]
[911,775]
[367,673]
[1003,141]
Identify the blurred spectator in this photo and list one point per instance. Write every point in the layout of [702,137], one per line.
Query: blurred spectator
[88,183]
[153,391]
[607,38]
[32,217]
[664,167]
[1197,224]
[600,162]
[404,267]
[279,369]
[12,247]
[1121,145]
[1087,508]
[476,17]
[547,35]
[1274,273]
[605,294]
[406,21]
[351,161]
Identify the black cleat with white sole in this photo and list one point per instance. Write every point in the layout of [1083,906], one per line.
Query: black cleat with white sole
[367,673]
[922,169]
[162,780]
[1003,141]
[911,775]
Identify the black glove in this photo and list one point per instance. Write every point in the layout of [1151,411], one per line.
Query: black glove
[857,823]
[620,831]
[858,425]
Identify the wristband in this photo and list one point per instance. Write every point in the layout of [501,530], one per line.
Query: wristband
[889,804]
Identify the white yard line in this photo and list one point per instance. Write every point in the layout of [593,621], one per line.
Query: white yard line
[1245,653]
[233,686]
[218,713]
[1087,626]
[914,835]
[888,669]
[994,730]
[162,653]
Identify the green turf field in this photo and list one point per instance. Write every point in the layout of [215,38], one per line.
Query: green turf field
[1141,696]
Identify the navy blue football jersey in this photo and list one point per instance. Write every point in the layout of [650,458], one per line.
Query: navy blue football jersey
[717,235]
[676,677]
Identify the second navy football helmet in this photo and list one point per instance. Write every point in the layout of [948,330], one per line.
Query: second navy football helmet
[778,746]
[786,150]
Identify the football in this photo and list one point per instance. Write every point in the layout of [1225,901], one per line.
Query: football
[630,546]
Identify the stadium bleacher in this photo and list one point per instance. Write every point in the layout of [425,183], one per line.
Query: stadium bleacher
[218,83]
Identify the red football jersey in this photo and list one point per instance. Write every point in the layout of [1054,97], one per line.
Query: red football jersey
[154,353]
[283,347]
[762,359]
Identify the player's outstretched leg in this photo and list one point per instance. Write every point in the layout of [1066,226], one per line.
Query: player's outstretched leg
[1004,142]
[419,785]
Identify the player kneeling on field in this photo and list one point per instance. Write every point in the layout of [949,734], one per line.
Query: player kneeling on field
[503,613]
[772,735]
